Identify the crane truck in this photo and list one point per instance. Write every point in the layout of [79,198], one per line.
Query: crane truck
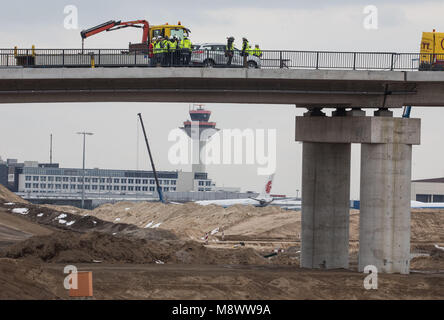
[164,30]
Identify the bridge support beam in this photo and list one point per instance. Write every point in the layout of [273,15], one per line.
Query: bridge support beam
[385,190]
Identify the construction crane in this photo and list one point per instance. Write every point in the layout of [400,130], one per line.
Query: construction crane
[165,30]
[159,188]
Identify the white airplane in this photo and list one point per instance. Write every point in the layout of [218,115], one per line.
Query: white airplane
[262,200]
[288,204]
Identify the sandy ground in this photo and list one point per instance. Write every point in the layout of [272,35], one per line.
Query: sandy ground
[132,261]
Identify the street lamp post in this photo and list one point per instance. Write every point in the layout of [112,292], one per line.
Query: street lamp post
[83,168]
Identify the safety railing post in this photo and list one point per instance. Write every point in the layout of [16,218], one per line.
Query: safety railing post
[281,61]
[354,60]
[317,60]
[63,57]
[393,60]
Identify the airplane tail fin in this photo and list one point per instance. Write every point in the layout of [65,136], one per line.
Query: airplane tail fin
[267,188]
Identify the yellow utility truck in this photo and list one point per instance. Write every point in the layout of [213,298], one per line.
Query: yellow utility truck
[432,51]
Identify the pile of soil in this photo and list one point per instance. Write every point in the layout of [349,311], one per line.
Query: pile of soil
[64,220]
[192,221]
[8,196]
[72,247]
[433,258]
[25,280]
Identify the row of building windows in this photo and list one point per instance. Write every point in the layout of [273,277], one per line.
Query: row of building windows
[205,183]
[98,180]
[430,197]
[204,189]
[92,187]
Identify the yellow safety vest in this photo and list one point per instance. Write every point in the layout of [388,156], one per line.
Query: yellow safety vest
[172,45]
[231,48]
[185,44]
[157,48]
[257,52]
[247,47]
[164,46]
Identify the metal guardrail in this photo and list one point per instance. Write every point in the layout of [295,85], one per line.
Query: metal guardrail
[75,58]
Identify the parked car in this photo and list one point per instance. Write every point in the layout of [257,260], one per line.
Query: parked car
[213,54]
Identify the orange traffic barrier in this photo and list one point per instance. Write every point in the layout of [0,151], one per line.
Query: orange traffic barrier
[84,285]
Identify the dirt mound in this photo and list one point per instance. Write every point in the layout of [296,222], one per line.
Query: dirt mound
[192,221]
[25,280]
[8,196]
[46,215]
[71,247]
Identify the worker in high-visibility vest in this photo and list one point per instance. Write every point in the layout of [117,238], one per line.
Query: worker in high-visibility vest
[185,46]
[229,50]
[171,46]
[164,45]
[157,51]
[256,51]
[245,50]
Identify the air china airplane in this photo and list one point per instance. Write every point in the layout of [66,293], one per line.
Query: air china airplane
[262,200]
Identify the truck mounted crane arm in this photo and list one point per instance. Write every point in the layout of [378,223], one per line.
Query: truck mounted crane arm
[116,25]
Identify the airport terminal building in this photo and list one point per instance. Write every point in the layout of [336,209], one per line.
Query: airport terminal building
[33,177]
[48,183]
[428,190]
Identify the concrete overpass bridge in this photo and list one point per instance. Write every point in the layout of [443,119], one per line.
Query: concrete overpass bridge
[386,142]
[327,88]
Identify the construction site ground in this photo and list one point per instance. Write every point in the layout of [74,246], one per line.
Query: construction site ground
[157,251]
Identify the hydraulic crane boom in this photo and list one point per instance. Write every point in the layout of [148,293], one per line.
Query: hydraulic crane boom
[116,25]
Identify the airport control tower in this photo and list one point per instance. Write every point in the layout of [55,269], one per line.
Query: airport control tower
[200,130]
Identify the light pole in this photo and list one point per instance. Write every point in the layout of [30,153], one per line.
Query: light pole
[83,170]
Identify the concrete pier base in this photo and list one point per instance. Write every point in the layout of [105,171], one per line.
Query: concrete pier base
[325,205]
[384,225]
[386,155]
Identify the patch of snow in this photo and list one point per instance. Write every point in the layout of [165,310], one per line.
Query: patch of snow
[20,210]
[215,231]
[439,248]
[114,233]
[149,224]
[9,204]
[126,209]
[156,225]
[97,261]
[61,221]
[95,222]
[61,216]
[40,215]
[117,219]
[70,223]
[159,262]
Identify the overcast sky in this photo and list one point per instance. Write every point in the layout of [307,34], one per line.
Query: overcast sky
[297,25]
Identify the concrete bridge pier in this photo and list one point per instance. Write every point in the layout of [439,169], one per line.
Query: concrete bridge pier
[325,205]
[325,202]
[385,188]
[384,225]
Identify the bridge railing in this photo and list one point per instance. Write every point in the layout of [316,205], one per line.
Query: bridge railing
[269,59]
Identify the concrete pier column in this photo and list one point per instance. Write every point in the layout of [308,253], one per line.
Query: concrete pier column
[384,225]
[325,205]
